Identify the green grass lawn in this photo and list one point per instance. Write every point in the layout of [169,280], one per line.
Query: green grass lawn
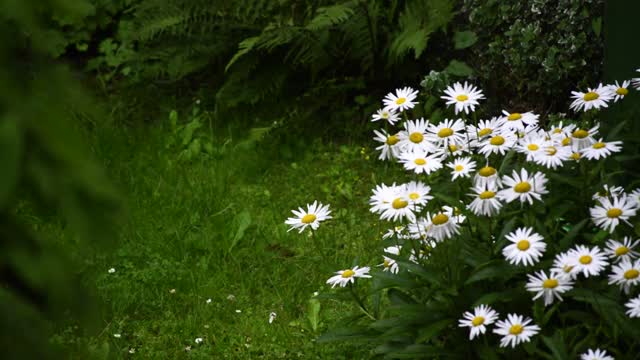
[204,251]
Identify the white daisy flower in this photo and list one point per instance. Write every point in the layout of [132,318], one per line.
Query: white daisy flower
[549,287]
[636,81]
[398,209]
[523,187]
[582,138]
[626,274]
[588,261]
[417,193]
[620,91]
[312,217]
[634,307]
[552,157]
[595,98]
[389,149]
[485,128]
[397,231]
[420,162]
[455,213]
[442,226]
[532,144]
[386,114]
[596,355]
[402,100]
[478,320]
[515,329]
[464,97]
[601,149]
[608,192]
[414,138]
[382,197]
[487,177]
[418,229]
[609,212]
[622,250]
[526,247]
[635,196]
[447,132]
[461,167]
[485,201]
[560,131]
[519,121]
[564,264]
[348,276]
[497,144]
[390,264]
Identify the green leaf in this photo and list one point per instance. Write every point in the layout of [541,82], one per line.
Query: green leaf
[464,39]
[329,16]
[244,47]
[596,25]
[433,329]
[313,313]
[493,270]
[556,345]
[243,221]
[10,153]
[565,242]
[458,68]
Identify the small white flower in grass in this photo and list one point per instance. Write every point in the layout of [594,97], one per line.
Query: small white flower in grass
[348,276]
[620,91]
[552,156]
[564,264]
[117,336]
[523,187]
[112,270]
[485,201]
[389,149]
[414,137]
[272,317]
[403,99]
[607,192]
[398,231]
[626,274]
[519,121]
[596,354]
[594,98]
[187,348]
[417,193]
[608,214]
[601,149]
[172,291]
[390,264]
[446,133]
[515,329]
[312,217]
[581,138]
[198,340]
[622,250]
[208,301]
[461,167]
[588,261]
[238,311]
[487,177]
[386,114]
[463,97]
[636,81]
[634,307]
[497,144]
[231,297]
[132,351]
[478,320]
[532,144]
[549,287]
[420,162]
[526,247]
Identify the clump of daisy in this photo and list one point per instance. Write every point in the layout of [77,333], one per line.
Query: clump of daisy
[608,214]
[526,247]
[588,261]
[549,287]
[523,187]
[634,307]
[463,97]
[596,354]
[401,100]
[515,330]
[594,98]
[388,263]
[626,274]
[348,276]
[312,217]
[386,114]
[623,250]
[478,320]
[461,167]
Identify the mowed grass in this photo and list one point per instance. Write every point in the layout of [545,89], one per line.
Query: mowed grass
[214,229]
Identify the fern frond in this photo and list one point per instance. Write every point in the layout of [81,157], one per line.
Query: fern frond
[331,15]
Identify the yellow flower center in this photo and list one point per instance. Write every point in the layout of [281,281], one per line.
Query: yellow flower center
[485,131]
[401,101]
[599,145]
[576,156]
[399,203]
[385,115]
[386,263]
[622,250]
[514,117]
[585,259]
[487,195]
[523,245]
[497,140]
[557,130]
[566,141]
[516,329]
[522,187]
[614,213]
[308,219]
[550,283]
[414,196]
[551,150]
[533,147]
[420,161]
[444,132]
[439,219]
[416,137]
[462,97]
[487,171]
[590,96]
[631,274]
[567,269]
[477,321]
[453,148]
[580,134]
[622,91]
[459,168]
[348,273]
[392,140]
